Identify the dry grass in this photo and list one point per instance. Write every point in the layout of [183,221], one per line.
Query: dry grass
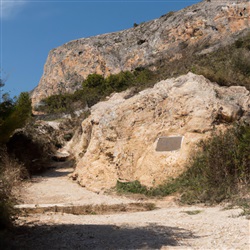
[11,174]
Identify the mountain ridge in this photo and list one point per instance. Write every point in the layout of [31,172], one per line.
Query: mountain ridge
[201,28]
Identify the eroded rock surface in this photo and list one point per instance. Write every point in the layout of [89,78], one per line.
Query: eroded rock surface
[204,26]
[118,140]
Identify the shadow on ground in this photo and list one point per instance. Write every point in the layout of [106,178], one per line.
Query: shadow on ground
[56,169]
[97,237]
[52,173]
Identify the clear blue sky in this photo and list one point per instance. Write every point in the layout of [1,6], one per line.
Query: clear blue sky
[30,29]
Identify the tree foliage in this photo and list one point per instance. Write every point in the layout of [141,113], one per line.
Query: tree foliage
[93,81]
[13,115]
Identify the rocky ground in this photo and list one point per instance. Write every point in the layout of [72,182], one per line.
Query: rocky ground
[169,226]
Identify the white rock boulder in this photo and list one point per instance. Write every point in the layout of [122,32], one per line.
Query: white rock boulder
[119,138]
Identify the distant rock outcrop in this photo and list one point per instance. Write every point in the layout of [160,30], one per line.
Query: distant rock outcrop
[119,139]
[205,26]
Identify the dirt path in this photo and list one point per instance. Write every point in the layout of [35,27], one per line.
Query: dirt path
[168,227]
[55,187]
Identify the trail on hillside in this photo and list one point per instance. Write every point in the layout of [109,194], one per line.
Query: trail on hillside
[55,187]
[168,227]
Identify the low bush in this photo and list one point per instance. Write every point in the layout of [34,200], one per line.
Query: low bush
[134,187]
[220,169]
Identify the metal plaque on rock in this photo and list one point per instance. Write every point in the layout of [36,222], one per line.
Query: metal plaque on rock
[170,143]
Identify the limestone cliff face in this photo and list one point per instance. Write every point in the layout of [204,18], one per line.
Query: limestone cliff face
[119,138]
[206,25]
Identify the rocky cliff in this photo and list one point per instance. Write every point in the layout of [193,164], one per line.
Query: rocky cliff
[123,138]
[204,26]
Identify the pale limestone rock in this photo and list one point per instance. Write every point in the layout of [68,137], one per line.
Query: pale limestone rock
[205,26]
[118,139]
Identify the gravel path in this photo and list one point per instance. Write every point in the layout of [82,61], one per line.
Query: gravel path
[168,227]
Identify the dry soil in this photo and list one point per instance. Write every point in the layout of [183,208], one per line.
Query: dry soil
[169,226]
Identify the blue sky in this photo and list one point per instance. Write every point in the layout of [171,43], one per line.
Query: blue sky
[30,29]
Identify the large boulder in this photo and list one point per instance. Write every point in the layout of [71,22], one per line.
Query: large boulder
[126,138]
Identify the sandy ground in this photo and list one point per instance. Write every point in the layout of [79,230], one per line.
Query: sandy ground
[55,187]
[168,227]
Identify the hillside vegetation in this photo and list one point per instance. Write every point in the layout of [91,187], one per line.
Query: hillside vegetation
[96,88]
[229,65]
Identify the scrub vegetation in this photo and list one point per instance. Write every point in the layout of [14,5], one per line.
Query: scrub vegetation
[227,66]
[13,114]
[95,88]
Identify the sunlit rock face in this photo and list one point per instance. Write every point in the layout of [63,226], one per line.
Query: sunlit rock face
[205,26]
[149,136]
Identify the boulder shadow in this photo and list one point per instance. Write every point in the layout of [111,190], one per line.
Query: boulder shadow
[47,237]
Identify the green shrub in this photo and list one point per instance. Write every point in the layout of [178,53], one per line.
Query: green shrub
[6,108]
[14,115]
[131,187]
[241,61]
[96,88]
[93,81]
[119,81]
